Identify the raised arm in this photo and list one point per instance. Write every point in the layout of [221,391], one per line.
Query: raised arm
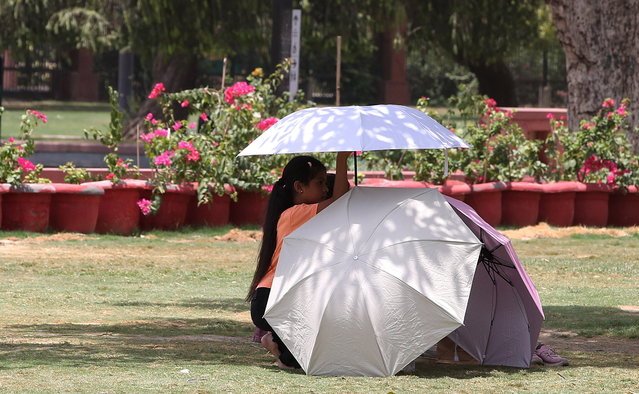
[341,182]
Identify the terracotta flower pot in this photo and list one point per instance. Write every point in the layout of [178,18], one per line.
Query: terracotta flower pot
[249,208]
[74,208]
[172,213]
[214,213]
[118,212]
[623,208]
[485,199]
[557,203]
[26,207]
[591,204]
[520,204]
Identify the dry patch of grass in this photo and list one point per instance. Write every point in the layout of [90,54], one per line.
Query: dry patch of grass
[543,230]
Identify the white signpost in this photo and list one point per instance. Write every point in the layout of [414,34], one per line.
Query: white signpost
[293,76]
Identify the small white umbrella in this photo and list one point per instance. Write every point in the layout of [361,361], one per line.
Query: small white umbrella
[354,129]
[372,281]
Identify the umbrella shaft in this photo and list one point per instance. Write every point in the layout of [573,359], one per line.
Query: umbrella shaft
[355,167]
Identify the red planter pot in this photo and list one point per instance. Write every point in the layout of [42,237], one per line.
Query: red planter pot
[118,212]
[249,208]
[591,205]
[520,204]
[557,203]
[3,189]
[455,189]
[485,199]
[26,207]
[172,213]
[74,208]
[212,214]
[623,208]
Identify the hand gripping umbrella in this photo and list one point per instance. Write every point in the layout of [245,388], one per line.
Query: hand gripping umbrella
[372,281]
[354,128]
[504,313]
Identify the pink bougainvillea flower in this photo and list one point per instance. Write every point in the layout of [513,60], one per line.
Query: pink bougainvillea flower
[157,90]
[236,90]
[121,163]
[161,132]
[490,103]
[145,206]
[177,126]
[193,155]
[10,140]
[216,144]
[38,115]
[608,103]
[185,145]
[110,176]
[550,115]
[587,126]
[164,159]
[204,117]
[622,111]
[26,164]
[266,123]
[184,103]
[149,116]
[192,125]
[147,137]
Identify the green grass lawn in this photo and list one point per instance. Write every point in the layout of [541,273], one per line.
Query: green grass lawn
[65,119]
[166,312]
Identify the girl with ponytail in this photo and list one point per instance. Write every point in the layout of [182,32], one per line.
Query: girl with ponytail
[297,196]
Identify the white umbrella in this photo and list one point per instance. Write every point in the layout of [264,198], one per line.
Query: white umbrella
[353,128]
[372,281]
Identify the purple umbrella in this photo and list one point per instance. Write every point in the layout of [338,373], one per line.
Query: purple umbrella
[504,314]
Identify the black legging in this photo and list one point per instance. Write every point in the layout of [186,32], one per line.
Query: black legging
[258,306]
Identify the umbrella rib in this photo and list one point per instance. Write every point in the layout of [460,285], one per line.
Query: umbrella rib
[420,240]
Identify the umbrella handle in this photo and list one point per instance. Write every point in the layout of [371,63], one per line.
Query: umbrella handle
[355,167]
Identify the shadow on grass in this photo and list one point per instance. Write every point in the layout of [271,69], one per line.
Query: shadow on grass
[590,320]
[109,353]
[227,304]
[149,328]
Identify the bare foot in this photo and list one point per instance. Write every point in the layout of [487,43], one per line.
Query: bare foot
[270,345]
[282,365]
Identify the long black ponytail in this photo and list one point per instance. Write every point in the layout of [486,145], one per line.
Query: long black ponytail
[299,168]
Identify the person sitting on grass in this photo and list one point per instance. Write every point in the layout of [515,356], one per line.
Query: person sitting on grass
[300,194]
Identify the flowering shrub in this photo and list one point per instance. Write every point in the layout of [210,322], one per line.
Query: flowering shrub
[598,152]
[15,168]
[499,149]
[228,120]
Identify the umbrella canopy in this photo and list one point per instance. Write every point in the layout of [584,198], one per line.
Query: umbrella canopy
[372,281]
[504,313]
[353,128]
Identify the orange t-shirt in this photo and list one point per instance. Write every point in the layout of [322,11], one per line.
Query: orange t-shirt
[289,221]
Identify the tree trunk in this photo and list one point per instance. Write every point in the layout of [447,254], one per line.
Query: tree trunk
[177,72]
[496,81]
[281,37]
[601,43]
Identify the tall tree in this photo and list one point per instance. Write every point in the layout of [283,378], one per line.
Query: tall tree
[601,42]
[478,34]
